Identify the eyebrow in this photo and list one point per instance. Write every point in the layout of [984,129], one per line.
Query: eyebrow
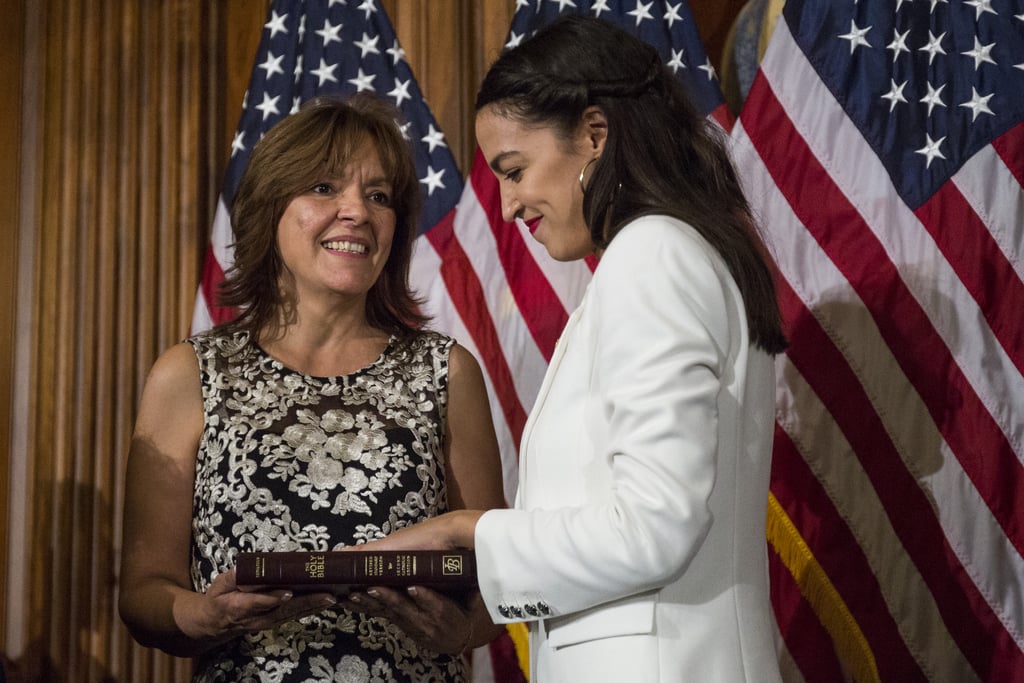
[495,163]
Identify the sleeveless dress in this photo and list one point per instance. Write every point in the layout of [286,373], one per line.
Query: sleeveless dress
[288,461]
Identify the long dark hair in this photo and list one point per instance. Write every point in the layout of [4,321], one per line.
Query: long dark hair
[661,155]
[318,141]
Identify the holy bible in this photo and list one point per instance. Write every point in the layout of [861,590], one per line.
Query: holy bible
[341,571]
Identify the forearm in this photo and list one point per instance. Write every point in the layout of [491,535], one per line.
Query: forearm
[483,629]
[168,617]
[460,528]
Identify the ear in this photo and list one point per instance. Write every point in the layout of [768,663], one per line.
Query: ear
[594,129]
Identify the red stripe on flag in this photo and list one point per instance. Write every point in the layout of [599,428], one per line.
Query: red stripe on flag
[542,310]
[836,549]
[1010,148]
[505,661]
[976,440]
[981,447]
[467,296]
[965,242]
[210,284]
[723,116]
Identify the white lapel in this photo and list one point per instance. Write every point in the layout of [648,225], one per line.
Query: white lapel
[556,360]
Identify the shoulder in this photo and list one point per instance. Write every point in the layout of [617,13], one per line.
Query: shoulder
[436,339]
[460,360]
[218,342]
[464,372]
[659,265]
[663,252]
[172,396]
[657,238]
[426,341]
[177,364]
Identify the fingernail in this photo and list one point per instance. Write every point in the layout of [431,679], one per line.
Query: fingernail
[411,590]
[286,597]
[354,597]
[372,593]
[327,602]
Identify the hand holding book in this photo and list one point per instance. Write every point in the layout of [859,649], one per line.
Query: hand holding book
[380,582]
[446,614]
[432,618]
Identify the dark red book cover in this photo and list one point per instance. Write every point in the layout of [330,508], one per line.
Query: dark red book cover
[340,571]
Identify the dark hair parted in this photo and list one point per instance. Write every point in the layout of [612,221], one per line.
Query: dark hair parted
[661,155]
[315,142]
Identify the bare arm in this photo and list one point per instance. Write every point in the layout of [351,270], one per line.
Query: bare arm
[156,600]
[473,462]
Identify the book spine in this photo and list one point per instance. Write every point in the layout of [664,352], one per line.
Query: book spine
[356,568]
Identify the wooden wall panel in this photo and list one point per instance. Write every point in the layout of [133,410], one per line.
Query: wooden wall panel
[132,105]
[12,47]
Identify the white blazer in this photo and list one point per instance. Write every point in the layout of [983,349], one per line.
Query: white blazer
[636,550]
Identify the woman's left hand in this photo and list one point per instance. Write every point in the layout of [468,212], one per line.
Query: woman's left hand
[444,532]
[431,619]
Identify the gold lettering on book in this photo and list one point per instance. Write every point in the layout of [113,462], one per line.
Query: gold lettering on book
[373,565]
[261,567]
[404,566]
[315,566]
[451,565]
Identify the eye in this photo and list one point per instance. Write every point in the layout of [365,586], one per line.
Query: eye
[322,188]
[514,175]
[381,198]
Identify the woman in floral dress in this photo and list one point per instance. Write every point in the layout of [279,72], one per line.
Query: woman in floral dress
[323,416]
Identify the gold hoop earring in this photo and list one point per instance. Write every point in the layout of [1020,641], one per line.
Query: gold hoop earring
[584,170]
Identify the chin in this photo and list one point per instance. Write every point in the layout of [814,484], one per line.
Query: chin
[566,252]
[565,257]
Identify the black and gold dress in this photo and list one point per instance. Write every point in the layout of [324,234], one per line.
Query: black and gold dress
[288,461]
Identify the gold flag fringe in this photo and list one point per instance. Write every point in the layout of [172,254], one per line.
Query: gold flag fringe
[521,640]
[849,641]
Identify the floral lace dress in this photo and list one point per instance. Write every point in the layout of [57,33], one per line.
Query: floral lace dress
[293,462]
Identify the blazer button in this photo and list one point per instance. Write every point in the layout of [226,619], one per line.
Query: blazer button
[543,608]
[516,612]
[532,610]
[504,611]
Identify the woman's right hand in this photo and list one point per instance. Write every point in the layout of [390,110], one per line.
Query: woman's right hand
[228,611]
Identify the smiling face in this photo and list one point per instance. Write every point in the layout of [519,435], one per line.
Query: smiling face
[335,237]
[538,173]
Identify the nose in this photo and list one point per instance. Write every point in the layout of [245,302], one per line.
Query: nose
[352,205]
[510,208]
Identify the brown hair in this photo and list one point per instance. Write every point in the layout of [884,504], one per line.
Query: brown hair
[320,139]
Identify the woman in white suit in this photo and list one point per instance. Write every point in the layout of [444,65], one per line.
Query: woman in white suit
[636,548]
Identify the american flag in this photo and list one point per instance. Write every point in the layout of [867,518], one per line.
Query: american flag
[882,145]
